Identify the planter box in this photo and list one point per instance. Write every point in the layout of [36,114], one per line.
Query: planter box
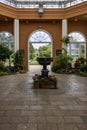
[36,85]
[49,82]
[45,85]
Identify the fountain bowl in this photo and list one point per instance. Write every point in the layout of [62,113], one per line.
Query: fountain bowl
[44,61]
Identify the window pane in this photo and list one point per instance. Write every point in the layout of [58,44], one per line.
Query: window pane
[77,45]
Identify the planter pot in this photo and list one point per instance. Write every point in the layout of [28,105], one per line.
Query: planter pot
[45,85]
[53,85]
[36,85]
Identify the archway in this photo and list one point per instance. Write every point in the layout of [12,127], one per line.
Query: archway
[38,43]
[77,45]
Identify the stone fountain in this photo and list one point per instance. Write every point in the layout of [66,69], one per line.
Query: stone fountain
[44,62]
[44,80]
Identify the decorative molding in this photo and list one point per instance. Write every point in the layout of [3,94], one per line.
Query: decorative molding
[20,13]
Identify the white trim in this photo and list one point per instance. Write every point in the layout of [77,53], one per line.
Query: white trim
[16,35]
[64,31]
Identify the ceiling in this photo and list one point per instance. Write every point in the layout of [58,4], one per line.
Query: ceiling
[77,18]
[45,3]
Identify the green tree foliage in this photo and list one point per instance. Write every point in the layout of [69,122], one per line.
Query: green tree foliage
[18,60]
[45,51]
[5,53]
[32,52]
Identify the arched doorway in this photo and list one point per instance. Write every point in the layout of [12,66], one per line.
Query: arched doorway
[39,44]
[77,45]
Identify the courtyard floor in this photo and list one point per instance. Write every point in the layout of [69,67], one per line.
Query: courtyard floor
[25,108]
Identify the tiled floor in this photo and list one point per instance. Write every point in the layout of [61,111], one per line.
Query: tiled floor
[25,108]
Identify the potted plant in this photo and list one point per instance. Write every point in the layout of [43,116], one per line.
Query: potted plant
[36,80]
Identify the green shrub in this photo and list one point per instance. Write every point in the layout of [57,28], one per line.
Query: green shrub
[63,63]
[18,60]
[3,73]
[3,67]
[83,68]
[54,68]
[79,61]
[82,73]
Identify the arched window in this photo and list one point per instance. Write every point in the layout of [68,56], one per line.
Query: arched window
[7,39]
[40,37]
[77,45]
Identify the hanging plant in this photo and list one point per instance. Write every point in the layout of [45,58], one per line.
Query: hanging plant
[66,39]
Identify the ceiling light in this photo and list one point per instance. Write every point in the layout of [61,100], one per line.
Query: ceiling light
[40,10]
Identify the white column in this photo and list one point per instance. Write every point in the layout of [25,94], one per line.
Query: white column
[16,34]
[64,30]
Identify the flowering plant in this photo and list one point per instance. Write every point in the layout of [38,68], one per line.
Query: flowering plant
[49,79]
